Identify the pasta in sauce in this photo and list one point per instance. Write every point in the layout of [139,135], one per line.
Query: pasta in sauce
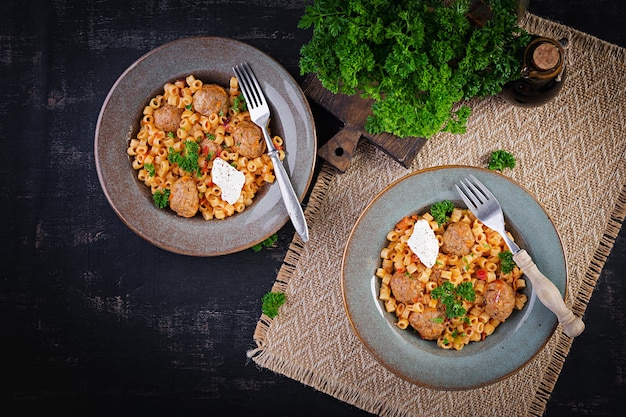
[409,289]
[189,119]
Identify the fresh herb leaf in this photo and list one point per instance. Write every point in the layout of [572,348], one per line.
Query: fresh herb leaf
[267,243]
[501,159]
[239,104]
[150,168]
[452,297]
[187,159]
[506,261]
[465,290]
[161,198]
[441,210]
[271,302]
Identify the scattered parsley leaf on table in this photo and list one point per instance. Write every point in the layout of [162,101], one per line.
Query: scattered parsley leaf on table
[500,160]
[271,302]
[267,243]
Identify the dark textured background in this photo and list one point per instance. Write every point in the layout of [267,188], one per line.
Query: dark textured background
[95,321]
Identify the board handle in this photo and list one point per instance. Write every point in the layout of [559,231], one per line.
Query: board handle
[339,149]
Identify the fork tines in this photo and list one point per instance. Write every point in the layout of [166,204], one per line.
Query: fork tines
[474,193]
[249,85]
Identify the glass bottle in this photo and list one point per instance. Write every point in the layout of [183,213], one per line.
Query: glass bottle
[542,75]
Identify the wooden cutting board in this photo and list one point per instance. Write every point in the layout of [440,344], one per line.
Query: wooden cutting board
[352,111]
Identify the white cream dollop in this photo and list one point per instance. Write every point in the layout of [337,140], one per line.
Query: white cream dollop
[423,243]
[228,179]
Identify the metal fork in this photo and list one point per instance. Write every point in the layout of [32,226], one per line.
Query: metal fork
[260,115]
[487,209]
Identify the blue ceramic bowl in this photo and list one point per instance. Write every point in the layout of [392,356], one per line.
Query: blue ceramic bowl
[403,352]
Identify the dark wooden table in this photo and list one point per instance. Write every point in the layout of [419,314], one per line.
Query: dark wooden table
[94,320]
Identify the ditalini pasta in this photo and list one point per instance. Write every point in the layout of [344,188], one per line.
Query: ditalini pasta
[472,287]
[182,133]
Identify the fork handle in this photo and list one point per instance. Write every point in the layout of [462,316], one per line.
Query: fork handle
[292,204]
[549,294]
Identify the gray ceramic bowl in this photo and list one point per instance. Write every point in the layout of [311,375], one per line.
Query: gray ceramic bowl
[403,352]
[211,60]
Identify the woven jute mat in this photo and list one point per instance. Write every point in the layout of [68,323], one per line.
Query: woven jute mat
[571,156]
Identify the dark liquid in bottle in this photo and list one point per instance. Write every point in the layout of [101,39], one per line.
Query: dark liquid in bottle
[528,94]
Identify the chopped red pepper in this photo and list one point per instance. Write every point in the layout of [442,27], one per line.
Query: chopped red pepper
[481,274]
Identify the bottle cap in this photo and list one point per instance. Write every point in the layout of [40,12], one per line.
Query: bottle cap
[546,56]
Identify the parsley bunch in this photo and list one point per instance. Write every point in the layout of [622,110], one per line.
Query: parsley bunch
[415,59]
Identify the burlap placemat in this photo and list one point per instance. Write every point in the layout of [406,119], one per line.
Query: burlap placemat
[571,155]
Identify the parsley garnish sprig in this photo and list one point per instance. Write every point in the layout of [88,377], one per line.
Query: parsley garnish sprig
[150,169]
[161,198]
[506,261]
[440,211]
[452,297]
[187,159]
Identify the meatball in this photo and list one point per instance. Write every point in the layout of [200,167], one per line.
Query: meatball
[430,323]
[435,275]
[210,149]
[168,117]
[248,139]
[184,198]
[406,288]
[210,99]
[499,300]
[457,239]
